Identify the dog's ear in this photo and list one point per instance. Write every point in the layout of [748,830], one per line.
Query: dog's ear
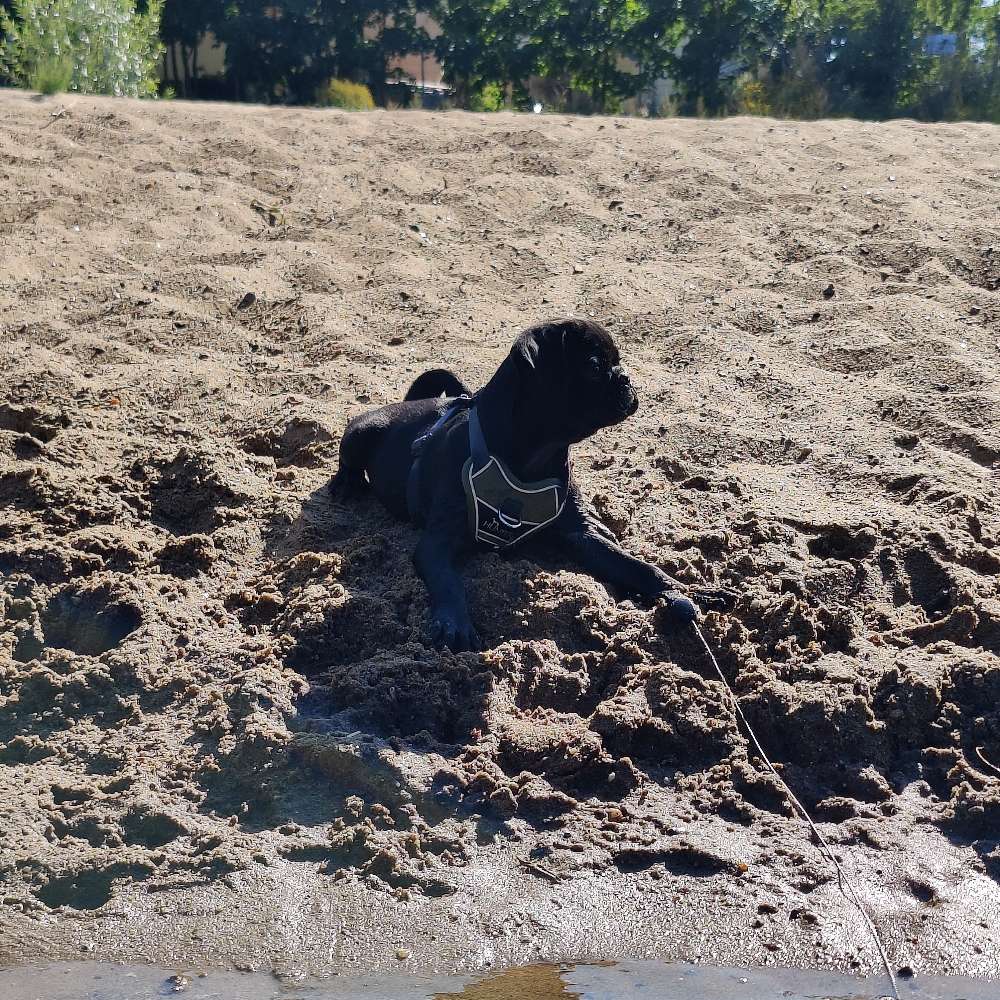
[541,345]
[527,350]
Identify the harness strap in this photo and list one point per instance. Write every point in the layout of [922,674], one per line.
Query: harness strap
[507,511]
[477,442]
[417,449]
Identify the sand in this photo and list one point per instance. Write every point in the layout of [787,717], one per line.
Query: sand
[224,739]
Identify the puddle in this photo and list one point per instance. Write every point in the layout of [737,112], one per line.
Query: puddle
[622,981]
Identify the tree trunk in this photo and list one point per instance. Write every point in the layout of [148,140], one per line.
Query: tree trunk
[957,72]
[995,70]
[174,75]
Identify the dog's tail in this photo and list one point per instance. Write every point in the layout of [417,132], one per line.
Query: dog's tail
[436,382]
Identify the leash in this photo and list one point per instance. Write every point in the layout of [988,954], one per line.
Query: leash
[843,882]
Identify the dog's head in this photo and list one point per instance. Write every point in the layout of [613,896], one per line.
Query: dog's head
[571,371]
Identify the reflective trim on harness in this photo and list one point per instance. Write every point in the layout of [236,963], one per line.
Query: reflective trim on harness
[502,511]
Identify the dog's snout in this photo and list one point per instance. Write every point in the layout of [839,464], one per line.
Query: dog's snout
[625,393]
[633,404]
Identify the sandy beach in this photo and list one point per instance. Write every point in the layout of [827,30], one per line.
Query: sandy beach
[224,737]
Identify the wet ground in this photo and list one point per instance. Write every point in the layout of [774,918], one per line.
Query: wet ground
[612,981]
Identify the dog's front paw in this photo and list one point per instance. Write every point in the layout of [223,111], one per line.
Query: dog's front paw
[454,633]
[715,598]
[675,611]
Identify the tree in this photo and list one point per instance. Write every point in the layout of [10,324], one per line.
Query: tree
[285,51]
[609,50]
[955,77]
[274,52]
[366,36]
[604,50]
[6,7]
[183,25]
[722,35]
[990,32]
[88,46]
[933,59]
[486,42]
[871,54]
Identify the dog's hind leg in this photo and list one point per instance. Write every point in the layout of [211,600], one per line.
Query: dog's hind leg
[356,447]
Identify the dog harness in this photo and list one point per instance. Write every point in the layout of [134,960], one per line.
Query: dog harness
[502,510]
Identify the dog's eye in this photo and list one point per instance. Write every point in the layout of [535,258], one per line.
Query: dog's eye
[594,368]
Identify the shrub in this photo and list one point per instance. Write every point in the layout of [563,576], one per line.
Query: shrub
[800,92]
[87,46]
[750,97]
[488,98]
[347,95]
[51,76]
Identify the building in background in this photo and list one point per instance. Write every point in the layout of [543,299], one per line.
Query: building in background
[200,72]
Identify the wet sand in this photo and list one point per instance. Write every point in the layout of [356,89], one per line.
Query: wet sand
[649,980]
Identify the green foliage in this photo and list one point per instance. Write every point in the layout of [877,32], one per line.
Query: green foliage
[799,91]
[52,75]
[287,52]
[873,54]
[271,57]
[592,53]
[794,58]
[721,37]
[870,59]
[485,42]
[967,84]
[489,97]
[183,24]
[347,95]
[750,97]
[103,46]
[573,41]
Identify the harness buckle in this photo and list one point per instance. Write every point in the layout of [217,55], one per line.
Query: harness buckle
[510,513]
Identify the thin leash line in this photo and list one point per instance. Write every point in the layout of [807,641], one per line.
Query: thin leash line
[846,888]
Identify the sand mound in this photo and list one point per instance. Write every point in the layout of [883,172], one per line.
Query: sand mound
[219,715]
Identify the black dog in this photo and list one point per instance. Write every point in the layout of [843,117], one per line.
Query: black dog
[495,469]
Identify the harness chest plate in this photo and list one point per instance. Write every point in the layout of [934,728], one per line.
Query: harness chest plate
[504,511]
